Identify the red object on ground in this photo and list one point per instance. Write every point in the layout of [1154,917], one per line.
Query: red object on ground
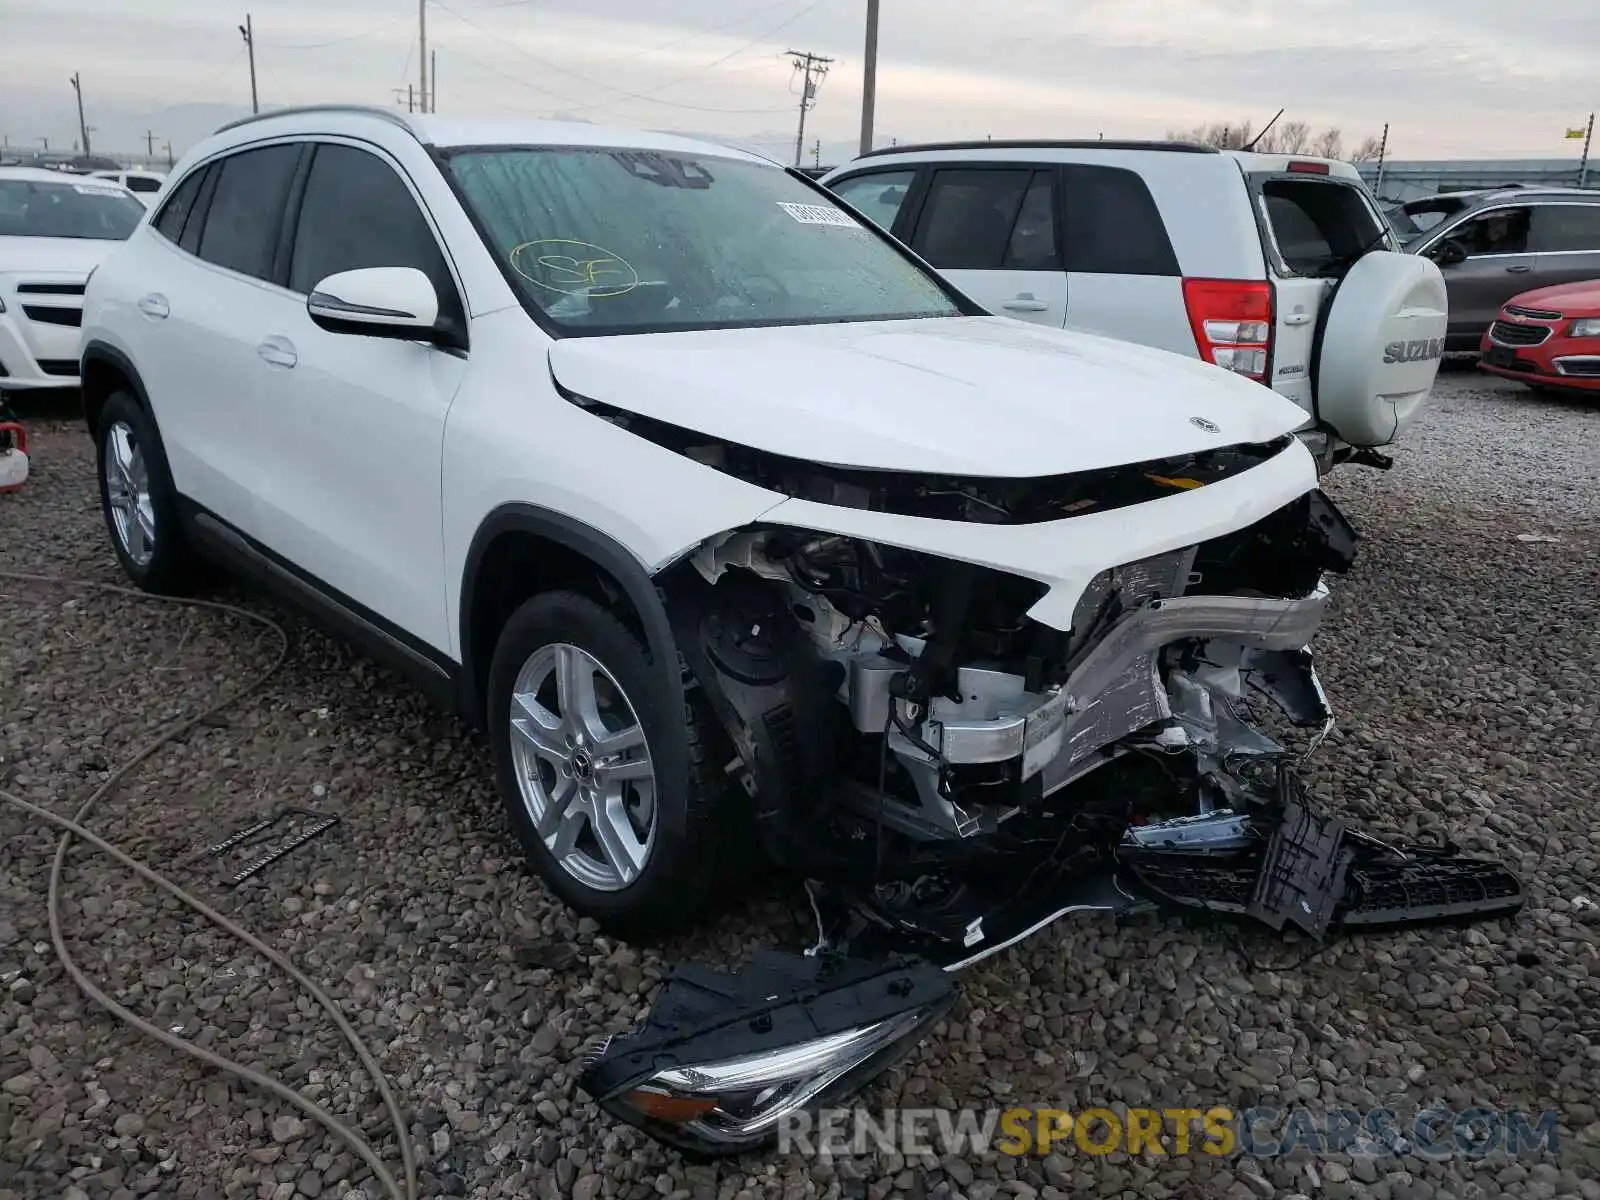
[1533,338]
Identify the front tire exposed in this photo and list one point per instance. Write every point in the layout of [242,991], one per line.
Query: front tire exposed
[580,746]
[139,501]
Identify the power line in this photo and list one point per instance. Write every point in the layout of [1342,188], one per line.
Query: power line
[338,41]
[650,93]
[548,65]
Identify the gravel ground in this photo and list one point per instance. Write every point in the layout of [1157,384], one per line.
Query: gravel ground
[1461,659]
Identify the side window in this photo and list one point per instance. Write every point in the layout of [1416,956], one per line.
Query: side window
[246,210]
[357,212]
[877,197]
[138,183]
[1113,226]
[1503,231]
[1558,227]
[196,223]
[967,219]
[169,221]
[1033,238]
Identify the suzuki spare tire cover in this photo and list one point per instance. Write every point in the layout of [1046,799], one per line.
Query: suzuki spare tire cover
[1381,347]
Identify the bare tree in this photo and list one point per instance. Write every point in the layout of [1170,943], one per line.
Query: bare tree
[1368,150]
[1291,137]
[1328,144]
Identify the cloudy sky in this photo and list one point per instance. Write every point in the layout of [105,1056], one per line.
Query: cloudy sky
[1453,79]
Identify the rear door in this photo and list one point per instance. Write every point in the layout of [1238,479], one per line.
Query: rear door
[1566,239]
[1315,226]
[1123,278]
[202,310]
[994,231]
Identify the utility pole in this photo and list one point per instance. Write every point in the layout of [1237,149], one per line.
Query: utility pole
[1583,163]
[83,127]
[411,97]
[46,142]
[433,77]
[149,144]
[815,67]
[422,52]
[247,31]
[869,77]
[1383,148]
[169,154]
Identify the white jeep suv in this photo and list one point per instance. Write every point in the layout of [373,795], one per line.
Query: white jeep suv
[724,515]
[1279,268]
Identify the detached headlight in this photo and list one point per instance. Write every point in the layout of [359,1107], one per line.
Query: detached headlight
[722,1059]
[1587,327]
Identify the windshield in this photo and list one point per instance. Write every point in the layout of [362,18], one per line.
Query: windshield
[606,240]
[71,209]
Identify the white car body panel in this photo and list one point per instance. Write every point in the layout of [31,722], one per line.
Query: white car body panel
[1067,554]
[24,342]
[920,395]
[1037,297]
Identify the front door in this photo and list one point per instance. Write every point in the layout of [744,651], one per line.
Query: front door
[352,426]
[994,233]
[1499,264]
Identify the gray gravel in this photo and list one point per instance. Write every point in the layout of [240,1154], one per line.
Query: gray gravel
[1462,660]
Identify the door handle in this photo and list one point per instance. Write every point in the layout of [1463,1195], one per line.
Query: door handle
[1519,270]
[154,305]
[278,351]
[1024,304]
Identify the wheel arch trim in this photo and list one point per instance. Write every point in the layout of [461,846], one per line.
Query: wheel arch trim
[607,554]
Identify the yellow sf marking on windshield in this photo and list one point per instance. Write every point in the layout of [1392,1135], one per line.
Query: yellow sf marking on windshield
[552,263]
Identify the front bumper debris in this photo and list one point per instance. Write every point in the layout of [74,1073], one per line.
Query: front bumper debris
[722,1058]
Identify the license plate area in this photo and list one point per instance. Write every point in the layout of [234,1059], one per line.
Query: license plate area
[1500,356]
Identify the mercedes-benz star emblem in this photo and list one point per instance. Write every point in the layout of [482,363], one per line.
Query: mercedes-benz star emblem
[1208,426]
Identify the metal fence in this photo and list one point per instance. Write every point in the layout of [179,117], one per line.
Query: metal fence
[1408,180]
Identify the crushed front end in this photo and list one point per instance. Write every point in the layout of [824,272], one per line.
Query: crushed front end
[953,758]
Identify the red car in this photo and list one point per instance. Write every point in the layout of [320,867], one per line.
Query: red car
[1549,338]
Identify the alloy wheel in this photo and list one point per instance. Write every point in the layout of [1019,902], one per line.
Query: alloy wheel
[133,513]
[583,767]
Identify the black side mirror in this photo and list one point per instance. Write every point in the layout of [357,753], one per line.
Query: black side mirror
[1449,252]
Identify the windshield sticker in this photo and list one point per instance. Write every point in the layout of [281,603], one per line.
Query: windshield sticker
[817,214]
[89,189]
[574,268]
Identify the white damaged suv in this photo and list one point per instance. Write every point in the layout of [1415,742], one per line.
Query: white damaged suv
[746,538]
[731,522]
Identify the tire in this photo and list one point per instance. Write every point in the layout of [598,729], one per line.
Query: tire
[674,820]
[139,502]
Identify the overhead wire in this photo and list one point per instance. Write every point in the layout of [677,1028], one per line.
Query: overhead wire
[75,826]
[500,40]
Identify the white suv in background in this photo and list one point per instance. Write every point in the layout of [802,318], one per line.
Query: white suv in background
[1277,268]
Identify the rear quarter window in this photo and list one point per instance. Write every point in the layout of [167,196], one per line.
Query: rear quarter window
[1112,224]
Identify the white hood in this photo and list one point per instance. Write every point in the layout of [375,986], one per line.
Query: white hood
[956,395]
[48,256]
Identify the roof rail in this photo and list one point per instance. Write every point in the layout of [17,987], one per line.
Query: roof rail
[365,110]
[1048,144]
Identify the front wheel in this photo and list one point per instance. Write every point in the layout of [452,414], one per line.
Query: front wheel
[581,761]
